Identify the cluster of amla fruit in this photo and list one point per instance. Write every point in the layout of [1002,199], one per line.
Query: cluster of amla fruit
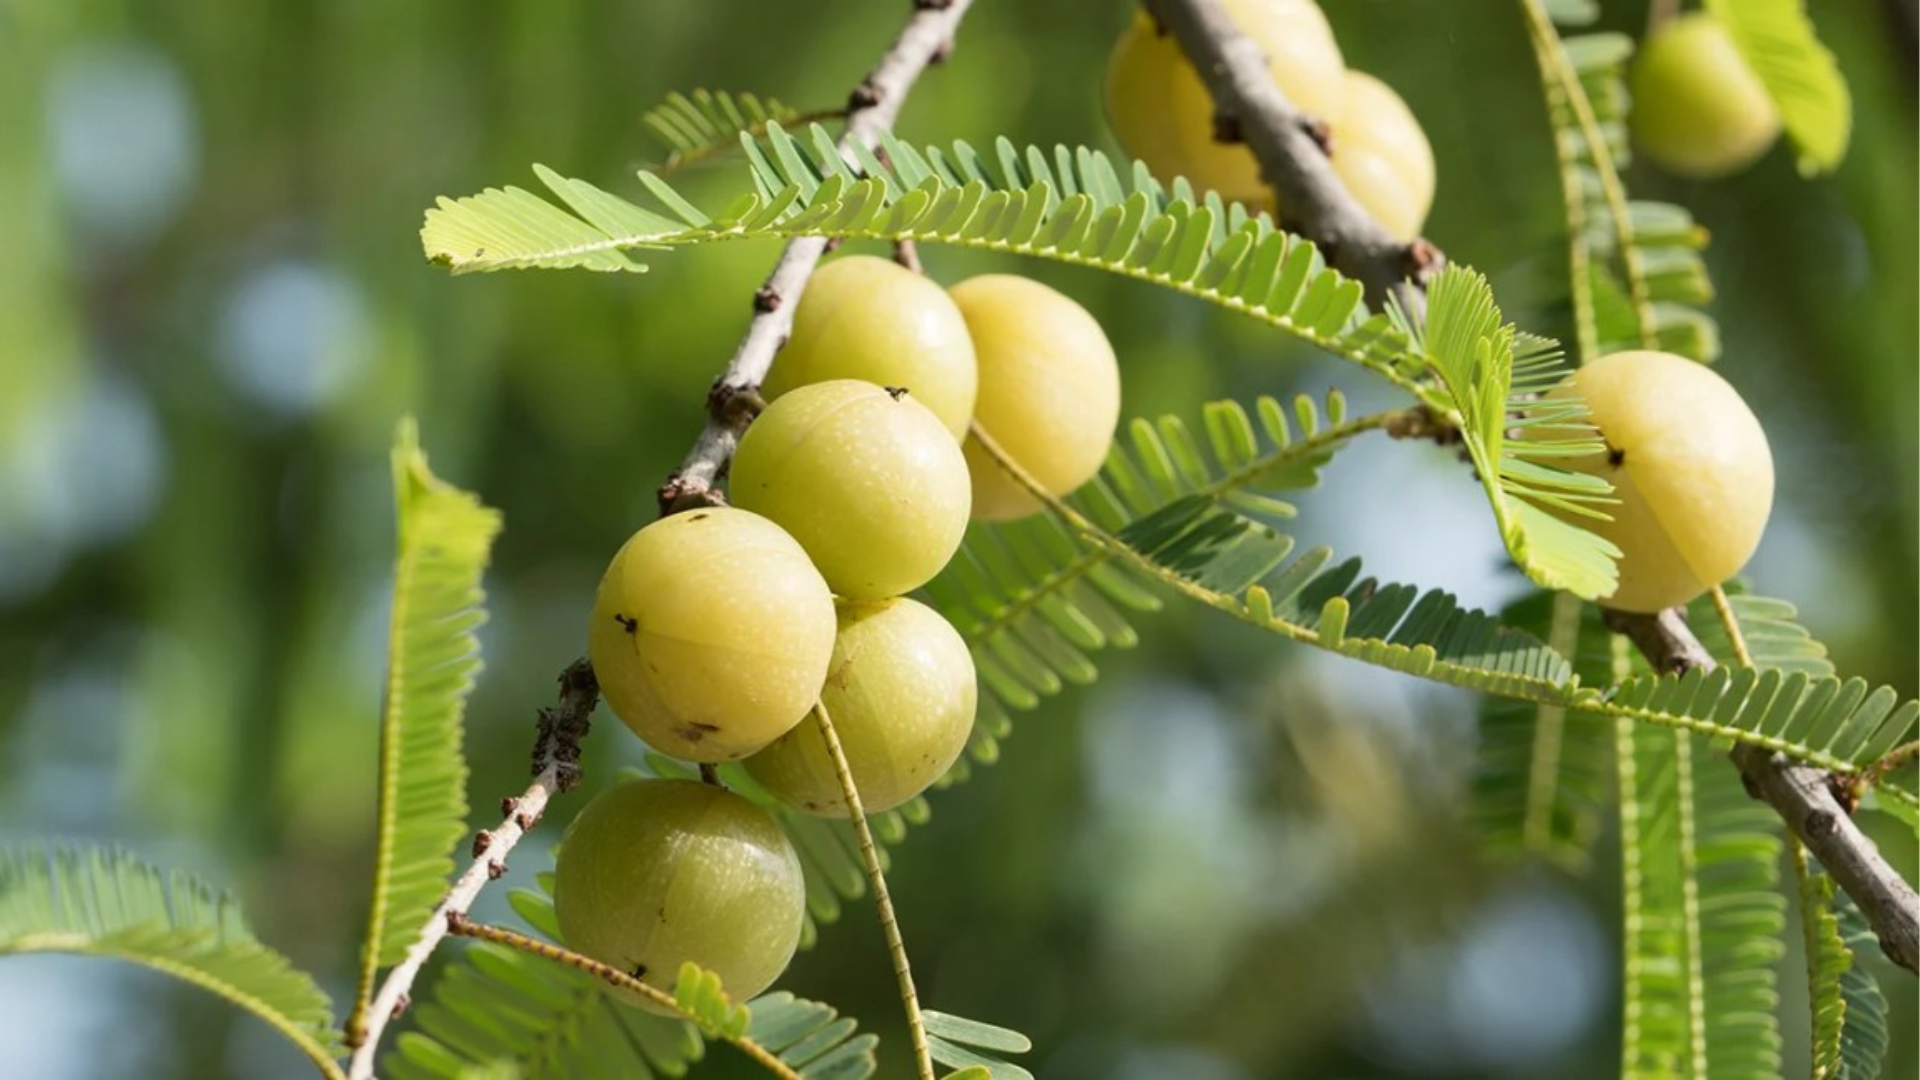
[1164,115]
[717,632]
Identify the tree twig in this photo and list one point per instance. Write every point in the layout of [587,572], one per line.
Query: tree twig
[556,767]
[871,108]
[1802,795]
[1313,201]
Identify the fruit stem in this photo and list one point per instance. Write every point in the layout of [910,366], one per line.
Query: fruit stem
[1731,622]
[907,254]
[889,925]
[1659,13]
[459,925]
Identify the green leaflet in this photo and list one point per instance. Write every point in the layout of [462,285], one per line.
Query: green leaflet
[1800,74]
[445,536]
[707,123]
[92,901]
[1544,773]
[1634,269]
[970,1044]
[498,1008]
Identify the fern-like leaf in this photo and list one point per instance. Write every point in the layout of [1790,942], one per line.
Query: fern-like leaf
[1800,74]
[1072,206]
[970,1044]
[1849,1012]
[1490,372]
[1835,724]
[1544,773]
[1702,913]
[104,902]
[1863,1041]
[445,536]
[706,123]
[1827,963]
[1035,602]
[1635,271]
[1224,559]
[497,1007]
[1743,918]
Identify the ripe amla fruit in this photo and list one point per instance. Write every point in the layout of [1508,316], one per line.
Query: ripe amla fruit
[901,694]
[1690,467]
[1163,114]
[1049,391]
[654,873]
[1699,110]
[868,318]
[711,634]
[866,478]
[1382,156]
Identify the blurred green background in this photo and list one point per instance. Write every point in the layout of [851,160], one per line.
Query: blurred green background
[1230,859]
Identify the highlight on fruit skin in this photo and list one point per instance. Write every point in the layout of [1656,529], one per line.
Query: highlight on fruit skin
[710,634]
[1690,466]
[654,873]
[868,318]
[866,478]
[1381,154]
[1049,391]
[901,693]
[1699,111]
[1162,114]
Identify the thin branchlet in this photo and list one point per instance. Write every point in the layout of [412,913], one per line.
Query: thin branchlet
[871,108]
[556,762]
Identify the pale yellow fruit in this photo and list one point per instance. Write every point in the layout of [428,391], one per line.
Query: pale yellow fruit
[867,479]
[901,692]
[1163,114]
[1690,466]
[1049,391]
[868,318]
[711,633]
[1381,154]
[1698,108]
[654,873]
